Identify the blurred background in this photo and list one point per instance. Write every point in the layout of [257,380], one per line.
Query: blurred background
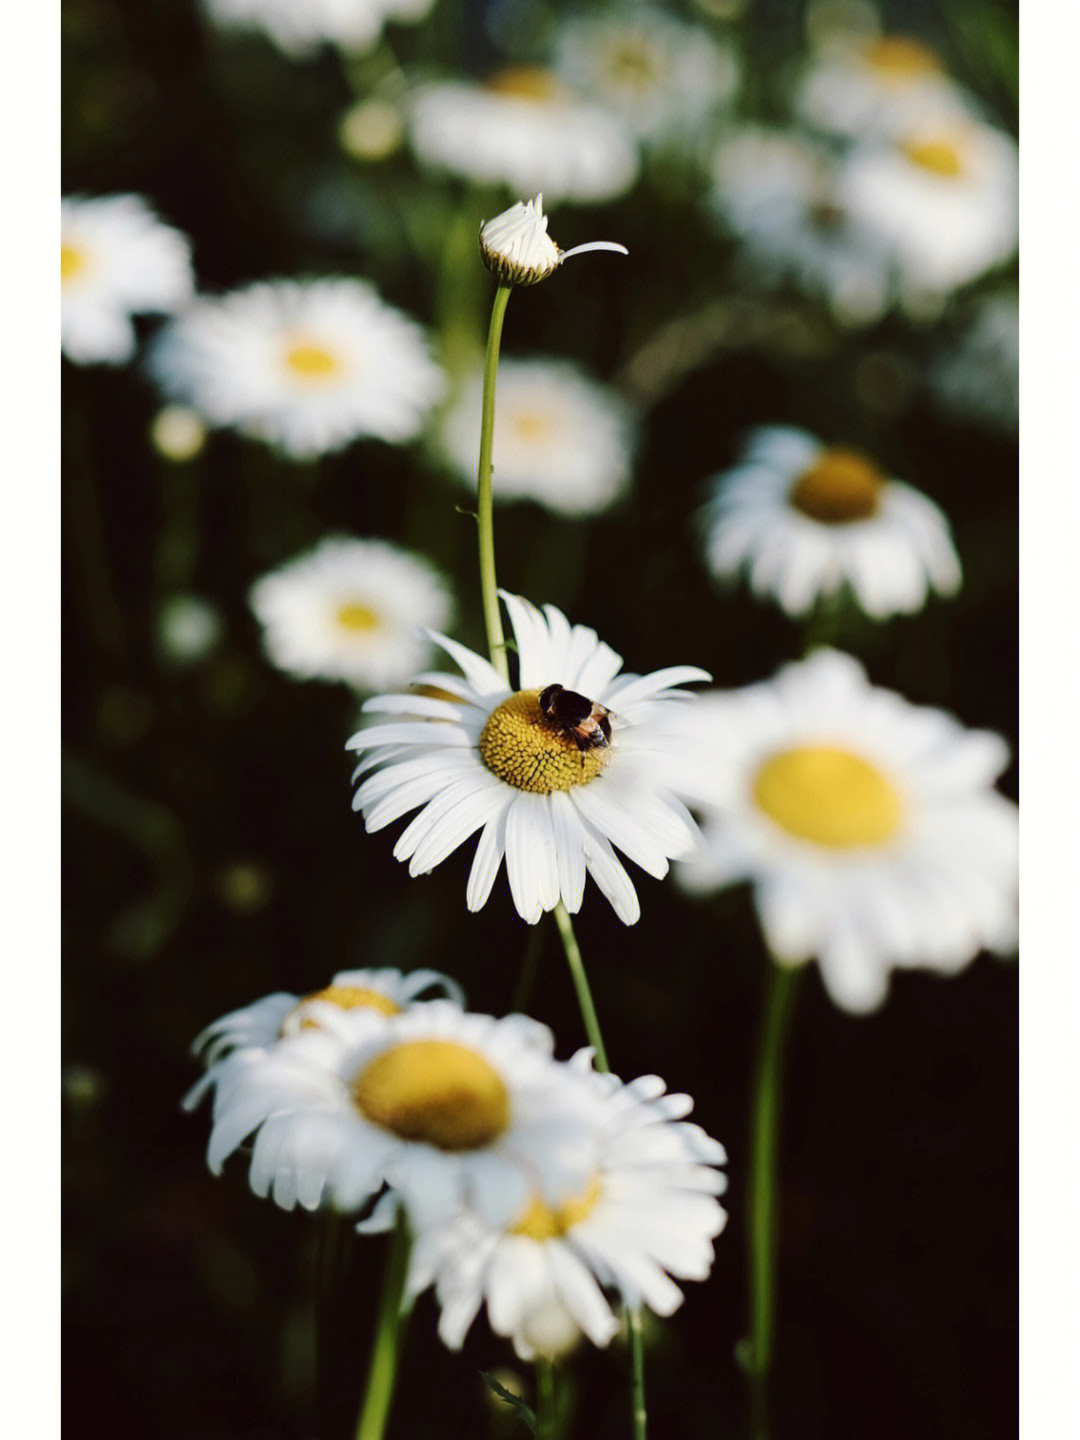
[212,856]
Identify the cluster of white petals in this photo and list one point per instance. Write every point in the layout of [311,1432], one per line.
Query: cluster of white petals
[300,29]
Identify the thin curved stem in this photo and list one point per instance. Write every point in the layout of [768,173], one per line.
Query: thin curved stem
[489,589]
[382,1371]
[755,1353]
[547,1425]
[581,984]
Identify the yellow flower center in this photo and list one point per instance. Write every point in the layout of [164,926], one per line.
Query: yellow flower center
[312,362]
[345,997]
[829,797]
[540,1222]
[72,262]
[530,425]
[633,66]
[839,487]
[941,157]
[435,1091]
[354,616]
[522,746]
[524,82]
[900,58]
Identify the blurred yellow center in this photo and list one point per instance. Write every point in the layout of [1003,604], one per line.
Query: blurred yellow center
[939,156]
[829,797]
[530,425]
[522,746]
[72,262]
[633,66]
[542,1222]
[900,58]
[524,82]
[435,1091]
[839,487]
[354,616]
[313,362]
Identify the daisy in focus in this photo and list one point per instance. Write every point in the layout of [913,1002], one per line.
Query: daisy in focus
[868,826]
[552,774]
[647,1212]
[307,365]
[117,260]
[517,248]
[664,78]
[940,202]
[300,29]
[445,1107]
[352,610]
[527,130]
[876,86]
[804,519]
[561,439]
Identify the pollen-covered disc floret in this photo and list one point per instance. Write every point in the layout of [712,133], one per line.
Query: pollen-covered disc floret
[868,826]
[646,1212]
[516,247]
[803,519]
[445,1107]
[488,760]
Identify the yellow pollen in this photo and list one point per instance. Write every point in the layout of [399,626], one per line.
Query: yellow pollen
[72,262]
[524,82]
[540,1222]
[939,156]
[354,616]
[313,362]
[522,746]
[900,58]
[435,1091]
[839,487]
[829,797]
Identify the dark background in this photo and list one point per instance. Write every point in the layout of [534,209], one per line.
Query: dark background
[212,857]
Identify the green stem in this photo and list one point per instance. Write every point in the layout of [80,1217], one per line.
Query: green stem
[755,1353]
[546,1419]
[489,589]
[581,984]
[637,1382]
[391,1325]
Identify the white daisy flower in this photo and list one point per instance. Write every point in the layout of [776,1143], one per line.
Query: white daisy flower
[300,29]
[189,628]
[117,259]
[275,1017]
[551,801]
[647,1211]
[876,86]
[868,826]
[560,439]
[516,247]
[445,1107]
[979,375]
[661,76]
[941,203]
[352,610]
[306,365]
[803,519]
[525,129]
[776,192]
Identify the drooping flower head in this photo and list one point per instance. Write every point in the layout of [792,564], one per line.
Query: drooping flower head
[868,826]
[803,519]
[485,756]
[516,247]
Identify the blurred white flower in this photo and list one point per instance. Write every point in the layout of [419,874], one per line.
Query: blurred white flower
[516,247]
[305,365]
[941,203]
[662,76]
[177,433]
[189,628]
[352,610]
[490,759]
[648,1211]
[868,826]
[117,259]
[776,192]
[299,27]
[803,519]
[446,1107]
[561,438]
[979,375]
[525,129]
[869,86]
[372,129]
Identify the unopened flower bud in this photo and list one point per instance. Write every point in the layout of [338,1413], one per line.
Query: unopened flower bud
[516,247]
